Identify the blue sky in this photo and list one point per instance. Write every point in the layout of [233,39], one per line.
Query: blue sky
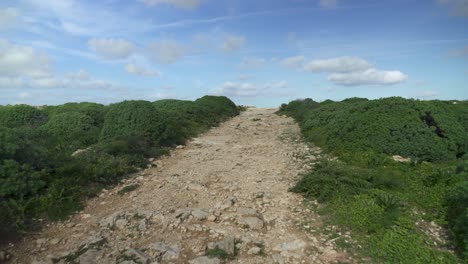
[262,52]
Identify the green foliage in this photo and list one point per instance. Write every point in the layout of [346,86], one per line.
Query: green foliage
[423,130]
[133,118]
[72,129]
[21,115]
[373,196]
[39,176]
[457,216]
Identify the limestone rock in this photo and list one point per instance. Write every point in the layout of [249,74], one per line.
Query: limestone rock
[254,223]
[205,260]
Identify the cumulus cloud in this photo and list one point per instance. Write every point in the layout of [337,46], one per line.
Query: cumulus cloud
[459,7]
[232,43]
[7,17]
[367,77]
[293,62]
[236,89]
[165,51]
[252,63]
[110,48]
[10,82]
[80,75]
[328,3]
[16,60]
[184,4]
[140,71]
[340,64]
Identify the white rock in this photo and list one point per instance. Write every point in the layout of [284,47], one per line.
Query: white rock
[254,251]
[252,222]
[205,260]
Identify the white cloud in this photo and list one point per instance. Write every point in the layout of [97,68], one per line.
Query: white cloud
[252,63]
[109,48]
[367,77]
[80,75]
[185,4]
[165,51]
[235,89]
[7,17]
[24,95]
[293,62]
[238,89]
[16,60]
[10,82]
[340,65]
[459,7]
[49,82]
[232,43]
[328,3]
[141,71]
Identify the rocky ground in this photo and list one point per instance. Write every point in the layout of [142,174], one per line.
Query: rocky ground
[222,198]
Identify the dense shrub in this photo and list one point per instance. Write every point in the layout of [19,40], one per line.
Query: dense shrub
[457,216]
[21,115]
[430,131]
[133,118]
[73,129]
[42,175]
[374,196]
[94,111]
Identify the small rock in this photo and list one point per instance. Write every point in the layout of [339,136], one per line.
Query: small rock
[329,255]
[40,242]
[252,222]
[85,216]
[165,251]
[55,241]
[227,244]
[199,214]
[254,251]
[180,147]
[211,218]
[121,223]
[183,214]
[109,221]
[137,255]
[195,187]
[205,260]
[228,203]
[247,211]
[91,256]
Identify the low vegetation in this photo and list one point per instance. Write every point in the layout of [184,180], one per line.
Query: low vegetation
[54,157]
[384,203]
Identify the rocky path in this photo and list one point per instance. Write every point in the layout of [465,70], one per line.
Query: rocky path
[223,198]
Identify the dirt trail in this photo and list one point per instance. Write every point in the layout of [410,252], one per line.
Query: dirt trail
[226,191]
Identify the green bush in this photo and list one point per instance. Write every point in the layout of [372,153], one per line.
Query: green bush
[369,193]
[133,118]
[94,111]
[21,115]
[73,130]
[457,216]
[41,178]
[423,130]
